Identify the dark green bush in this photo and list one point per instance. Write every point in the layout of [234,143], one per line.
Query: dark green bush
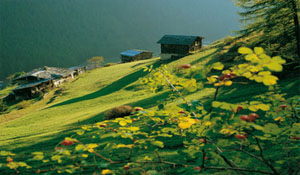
[3,106]
[109,64]
[120,111]
[24,104]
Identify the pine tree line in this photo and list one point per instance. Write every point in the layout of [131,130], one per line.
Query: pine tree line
[275,22]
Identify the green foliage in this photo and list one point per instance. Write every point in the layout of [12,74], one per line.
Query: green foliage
[120,111]
[24,104]
[3,106]
[95,61]
[109,64]
[272,24]
[11,77]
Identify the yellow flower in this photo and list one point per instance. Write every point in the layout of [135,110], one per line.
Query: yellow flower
[106,171]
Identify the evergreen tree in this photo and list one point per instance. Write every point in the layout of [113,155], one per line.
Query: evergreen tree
[276,24]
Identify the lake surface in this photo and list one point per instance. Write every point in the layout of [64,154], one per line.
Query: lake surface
[35,33]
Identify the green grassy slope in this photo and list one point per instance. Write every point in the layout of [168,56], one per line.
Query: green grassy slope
[85,99]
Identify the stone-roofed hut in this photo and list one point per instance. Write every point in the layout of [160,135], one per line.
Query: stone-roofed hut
[173,46]
[58,75]
[134,55]
[39,80]
[33,89]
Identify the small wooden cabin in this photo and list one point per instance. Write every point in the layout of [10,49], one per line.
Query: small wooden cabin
[179,45]
[58,75]
[39,80]
[134,55]
[31,90]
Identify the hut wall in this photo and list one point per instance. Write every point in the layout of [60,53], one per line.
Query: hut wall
[126,58]
[174,49]
[143,56]
[197,45]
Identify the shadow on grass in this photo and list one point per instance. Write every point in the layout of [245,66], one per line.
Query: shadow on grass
[145,103]
[113,87]
[207,56]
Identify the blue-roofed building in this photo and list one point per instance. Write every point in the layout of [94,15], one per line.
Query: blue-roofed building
[174,46]
[134,55]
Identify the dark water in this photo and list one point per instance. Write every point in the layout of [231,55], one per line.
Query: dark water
[64,33]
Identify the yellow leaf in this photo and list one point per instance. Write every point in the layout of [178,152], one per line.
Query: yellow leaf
[228,83]
[264,107]
[124,146]
[208,123]
[258,50]
[70,139]
[184,125]
[254,68]
[80,147]
[219,84]
[253,108]
[274,66]
[134,128]
[265,58]
[123,123]
[216,104]
[212,79]
[258,79]
[247,74]
[243,66]
[245,50]
[278,59]
[45,161]
[106,171]
[147,158]
[279,119]
[38,157]
[269,80]
[218,66]
[80,132]
[85,155]
[91,146]
[251,57]
[264,73]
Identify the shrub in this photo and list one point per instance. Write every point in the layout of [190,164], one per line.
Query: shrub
[3,106]
[120,111]
[24,104]
[109,64]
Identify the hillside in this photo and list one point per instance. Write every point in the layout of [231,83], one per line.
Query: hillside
[85,99]
[63,111]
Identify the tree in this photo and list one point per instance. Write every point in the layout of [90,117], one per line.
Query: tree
[95,61]
[276,23]
[11,77]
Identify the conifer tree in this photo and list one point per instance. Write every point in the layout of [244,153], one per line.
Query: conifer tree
[275,23]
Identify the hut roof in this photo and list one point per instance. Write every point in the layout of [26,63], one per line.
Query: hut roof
[29,85]
[178,39]
[47,72]
[131,53]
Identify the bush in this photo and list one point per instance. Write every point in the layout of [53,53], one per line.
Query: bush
[3,106]
[24,104]
[109,64]
[120,111]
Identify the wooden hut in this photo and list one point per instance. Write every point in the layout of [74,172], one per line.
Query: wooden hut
[134,55]
[58,75]
[173,46]
[31,90]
